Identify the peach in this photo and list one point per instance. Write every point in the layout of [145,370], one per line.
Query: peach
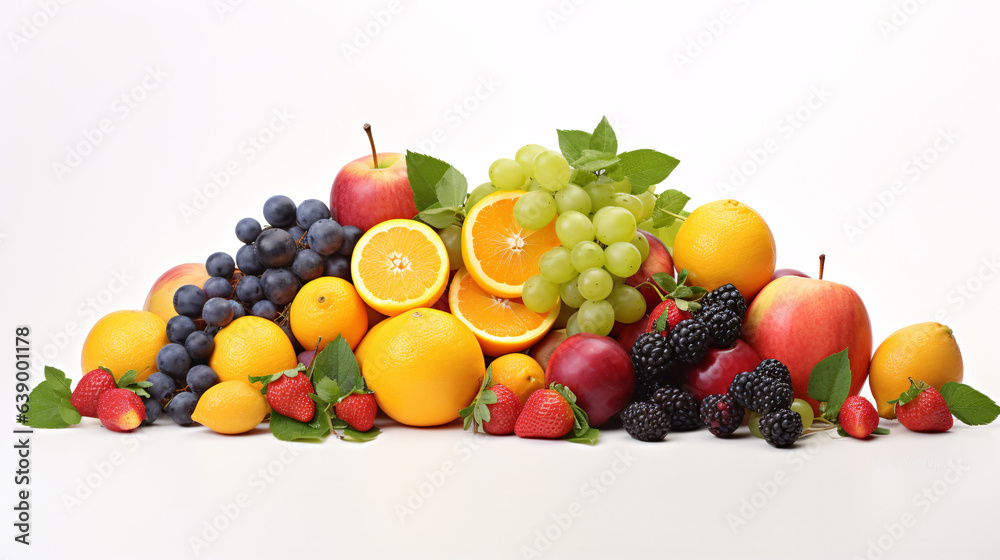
[161,296]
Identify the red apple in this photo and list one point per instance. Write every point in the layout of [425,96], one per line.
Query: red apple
[544,348]
[631,333]
[659,260]
[788,272]
[715,373]
[598,372]
[371,190]
[800,321]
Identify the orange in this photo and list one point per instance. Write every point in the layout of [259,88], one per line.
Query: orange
[251,346]
[926,352]
[519,373]
[359,352]
[424,366]
[125,340]
[725,242]
[499,254]
[231,407]
[327,307]
[502,325]
[399,265]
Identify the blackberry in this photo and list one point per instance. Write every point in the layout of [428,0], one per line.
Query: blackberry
[723,325]
[775,369]
[781,428]
[740,388]
[729,296]
[680,406]
[769,395]
[721,414]
[646,421]
[689,341]
[651,357]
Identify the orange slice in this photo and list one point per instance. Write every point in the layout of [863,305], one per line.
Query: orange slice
[399,265]
[499,254]
[502,325]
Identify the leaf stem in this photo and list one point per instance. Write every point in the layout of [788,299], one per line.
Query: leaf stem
[676,216]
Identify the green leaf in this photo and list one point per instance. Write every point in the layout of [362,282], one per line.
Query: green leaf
[477,411]
[592,160]
[615,173]
[881,431]
[665,281]
[645,168]
[452,188]
[669,206]
[438,217]
[289,429]
[424,172]
[350,434]
[327,390]
[268,379]
[969,405]
[337,363]
[842,432]
[126,379]
[49,404]
[572,143]
[915,388]
[603,139]
[661,322]
[589,437]
[830,382]
[581,423]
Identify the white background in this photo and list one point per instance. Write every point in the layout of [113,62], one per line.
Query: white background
[671,76]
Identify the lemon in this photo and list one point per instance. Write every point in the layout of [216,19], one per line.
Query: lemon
[231,407]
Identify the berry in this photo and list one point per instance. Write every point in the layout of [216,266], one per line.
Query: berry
[338,266]
[188,300]
[645,421]
[217,312]
[120,410]
[651,357]
[199,345]
[279,211]
[311,211]
[858,417]
[723,325]
[264,309]
[546,414]
[179,327]
[247,230]
[280,285]
[247,261]
[325,237]
[775,369]
[274,248]
[730,297]
[289,396]
[680,406]
[740,388]
[770,394]
[689,341]
[721,415]
[504,412]
[181,407]
[201,378]
[351,236]
[162,385]
[308,265]
[781,428]
[925,410]
[358,410]
[153,410]
[249,291]
[220,265]
[88,391]
[173,360]
[674,316]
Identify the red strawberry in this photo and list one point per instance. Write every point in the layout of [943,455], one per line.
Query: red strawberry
[289,396]
[923,409]
[504,412]
[546,414]
[674,316]
[88,391]
[858,417]
[358,410]
[120,410]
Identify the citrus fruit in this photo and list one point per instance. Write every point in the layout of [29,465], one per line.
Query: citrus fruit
[424,366]
[502,325]
[125,340]
[327,307]
[519,373]
[726,242]
[498,253]
[231,407]
[399,265]
[366,342]
[926,352]
[160,299]
[251,346]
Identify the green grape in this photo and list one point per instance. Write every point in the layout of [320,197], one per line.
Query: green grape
[623,186]
[617,224]
[646,225]
[622,259]
[551,170]
[616,280]
[572,197]
[587,255]
[628,303]
[452,238]
[534,210]
[555,265]
[596,317]
[526,155]
[648,200]
[595,284]
[506,174]
[570,293]
[753,422]
[573,228]
[565,312]
[597,215]
[630,203]
[601,195]
[642,244]
[531,185]
[477,194]
[539,295]
[805,410]
[572,326]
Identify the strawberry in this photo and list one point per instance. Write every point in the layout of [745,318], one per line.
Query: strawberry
[504,412]
[88,391]
[858,417]
[358,410]
[120,410]
[674,316]
[922,409]
[289,396]
[546,414]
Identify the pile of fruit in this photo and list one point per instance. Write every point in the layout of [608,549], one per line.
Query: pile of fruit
[562,295]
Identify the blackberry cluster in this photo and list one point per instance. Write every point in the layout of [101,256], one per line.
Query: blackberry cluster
[723,325]
[721,415]
[765,389]
[729,297]
[645,421]
[781,428]
[689,341]
[651,356]
[776,370]
[680,406]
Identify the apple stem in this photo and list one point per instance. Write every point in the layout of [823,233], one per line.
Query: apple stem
[822,264]
[368,130]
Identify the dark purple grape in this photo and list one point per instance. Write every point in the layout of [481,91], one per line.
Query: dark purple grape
[291,338]
[338,266]
[279,211]
[274,248]
[217,312]
[325,237]
[265,310]
[181,407]
[220,265]
[162,385]
[280,285]
[246,259]
[308,265]
[351,236]
[188,300]
[218,287]
[212,330]
[199,345]
[179,327]
[201,379]
[298,234]
[173,360]
[238,309]
[247,230]
[153,410]
[249,291]
[310,211]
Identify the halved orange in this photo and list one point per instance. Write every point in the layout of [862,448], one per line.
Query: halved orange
[499,254]
[399,265]
[502,325]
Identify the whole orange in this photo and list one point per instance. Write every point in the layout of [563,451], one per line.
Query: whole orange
[327,307]
[518,372]
[251,346]
[925,352]
[125,340]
